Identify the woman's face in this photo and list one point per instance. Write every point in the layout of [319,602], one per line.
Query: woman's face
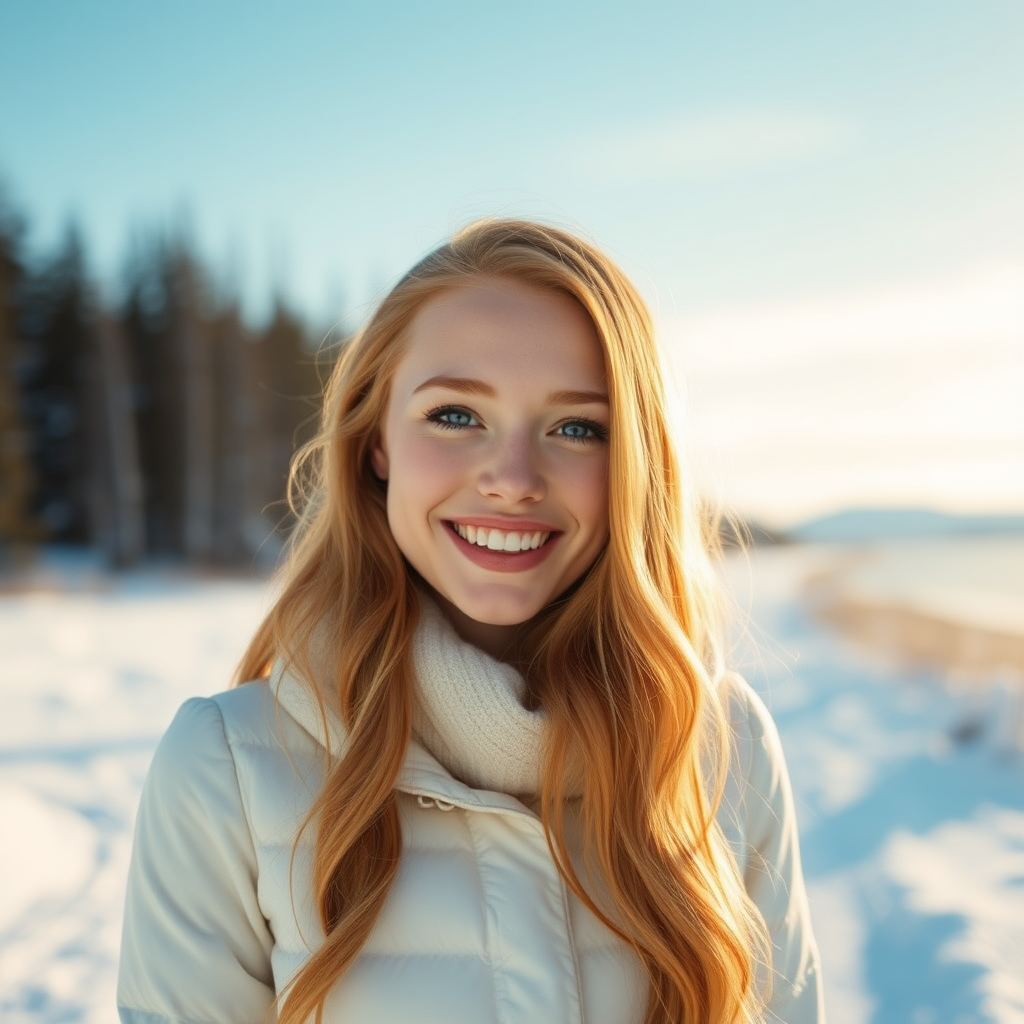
[494,446]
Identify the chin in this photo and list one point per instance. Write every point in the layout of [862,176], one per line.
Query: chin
[498,615]
[503,619]
[497,610]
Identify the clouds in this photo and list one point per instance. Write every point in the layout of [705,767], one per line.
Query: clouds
[955,314]
[902,394]
[703,145]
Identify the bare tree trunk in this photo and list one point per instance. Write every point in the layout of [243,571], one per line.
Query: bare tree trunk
[126,531]
[198,490]
[235,448]
[16,527]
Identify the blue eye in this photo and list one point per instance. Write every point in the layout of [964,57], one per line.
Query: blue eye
[583,431]
[451,417]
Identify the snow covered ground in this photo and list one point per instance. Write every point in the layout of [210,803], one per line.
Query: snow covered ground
[910,790]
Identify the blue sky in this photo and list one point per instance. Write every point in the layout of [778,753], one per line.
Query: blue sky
[739,159]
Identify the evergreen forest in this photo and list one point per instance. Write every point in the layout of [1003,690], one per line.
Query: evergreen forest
[157,426]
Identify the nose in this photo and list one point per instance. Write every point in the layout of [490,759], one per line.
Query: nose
[513,471]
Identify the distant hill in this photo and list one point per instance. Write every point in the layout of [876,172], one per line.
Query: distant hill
[866,524]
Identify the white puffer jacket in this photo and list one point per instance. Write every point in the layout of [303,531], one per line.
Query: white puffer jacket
[478,926]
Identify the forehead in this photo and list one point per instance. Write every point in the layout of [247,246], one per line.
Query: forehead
[496,329]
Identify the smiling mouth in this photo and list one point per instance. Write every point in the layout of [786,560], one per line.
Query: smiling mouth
[510,541]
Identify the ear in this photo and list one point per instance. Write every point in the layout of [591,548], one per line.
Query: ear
[379,458]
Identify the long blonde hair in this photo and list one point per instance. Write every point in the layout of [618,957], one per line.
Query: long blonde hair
[625,666]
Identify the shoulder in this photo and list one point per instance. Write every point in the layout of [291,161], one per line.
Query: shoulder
[239,713]
[233,748]
[200,738]
[756,798]
[758,817]
[196,753]
[212,727]
[231,779]
[752,730]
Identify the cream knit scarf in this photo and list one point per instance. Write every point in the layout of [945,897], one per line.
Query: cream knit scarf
[469,711]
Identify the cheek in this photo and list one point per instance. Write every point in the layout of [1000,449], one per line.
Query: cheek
[421,469]
[586,486]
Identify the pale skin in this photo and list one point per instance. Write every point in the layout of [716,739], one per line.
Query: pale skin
[495,452]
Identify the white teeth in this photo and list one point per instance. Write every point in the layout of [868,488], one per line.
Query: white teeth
[500,540]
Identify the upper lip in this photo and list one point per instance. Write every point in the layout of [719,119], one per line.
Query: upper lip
[504,524]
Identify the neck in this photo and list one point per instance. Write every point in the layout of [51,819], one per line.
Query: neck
[502,642]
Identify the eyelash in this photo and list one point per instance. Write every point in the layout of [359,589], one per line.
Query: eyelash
[598,432]
[435,414]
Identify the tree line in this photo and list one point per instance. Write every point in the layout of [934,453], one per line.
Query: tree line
[159,426]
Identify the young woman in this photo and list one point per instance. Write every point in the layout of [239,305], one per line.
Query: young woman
[487,765]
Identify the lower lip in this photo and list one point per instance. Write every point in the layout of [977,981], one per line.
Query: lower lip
[503,561]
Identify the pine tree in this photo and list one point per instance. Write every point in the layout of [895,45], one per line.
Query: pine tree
[17,527]
[117,474]
[292,383]
[58,375]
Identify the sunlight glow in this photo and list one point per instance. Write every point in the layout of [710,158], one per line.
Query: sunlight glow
[902,395]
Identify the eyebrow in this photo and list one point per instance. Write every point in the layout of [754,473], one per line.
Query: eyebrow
[466,385]
[577,398]
[469,386]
